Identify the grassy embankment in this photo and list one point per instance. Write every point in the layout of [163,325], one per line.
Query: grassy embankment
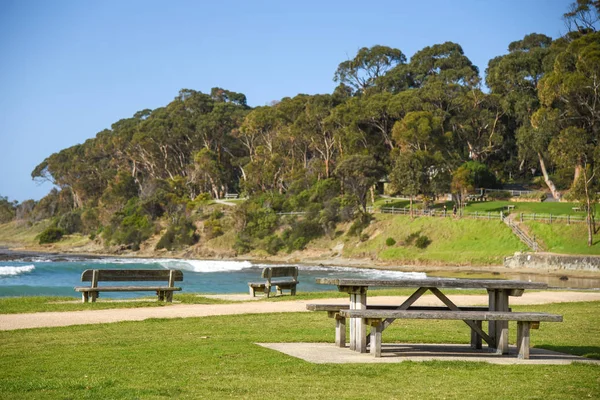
[454,241]
[217,357]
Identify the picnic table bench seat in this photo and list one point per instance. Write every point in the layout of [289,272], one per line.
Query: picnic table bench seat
[333,311]
[288,279]
[526,321]
[164,292]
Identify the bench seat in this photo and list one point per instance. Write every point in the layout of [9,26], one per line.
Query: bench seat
[525,322]
[164,292]
[333,311]
[288,279]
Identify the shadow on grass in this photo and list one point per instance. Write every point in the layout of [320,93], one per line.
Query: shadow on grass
[592,352]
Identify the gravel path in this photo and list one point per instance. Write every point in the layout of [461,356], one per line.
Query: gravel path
[53,319]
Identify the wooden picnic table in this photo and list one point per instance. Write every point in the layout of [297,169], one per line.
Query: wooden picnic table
[499,292]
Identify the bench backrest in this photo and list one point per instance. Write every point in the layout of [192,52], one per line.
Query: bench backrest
[130,275]
[279,272]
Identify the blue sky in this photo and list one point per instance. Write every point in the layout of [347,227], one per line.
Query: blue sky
[71,68]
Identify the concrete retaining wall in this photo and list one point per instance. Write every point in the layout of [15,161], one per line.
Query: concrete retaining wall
[553,262]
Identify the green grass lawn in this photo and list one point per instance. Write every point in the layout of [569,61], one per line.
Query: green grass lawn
[563,238]
[453,241]
[216,357]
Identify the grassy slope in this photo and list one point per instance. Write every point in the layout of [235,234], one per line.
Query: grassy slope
[564,239]
[453,241]
[216,357]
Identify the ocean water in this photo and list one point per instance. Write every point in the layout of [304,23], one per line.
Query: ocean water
[40,276]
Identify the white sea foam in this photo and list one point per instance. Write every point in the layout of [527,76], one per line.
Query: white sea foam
[211,265]
[368,273]
[8,271]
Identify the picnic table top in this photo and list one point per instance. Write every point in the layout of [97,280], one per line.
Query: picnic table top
[435,282]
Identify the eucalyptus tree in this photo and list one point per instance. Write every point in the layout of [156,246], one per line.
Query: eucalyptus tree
[514,77]
[367,67]
[571,91]
[358,173]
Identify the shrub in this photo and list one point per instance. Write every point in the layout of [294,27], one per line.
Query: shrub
[243,244]
[359,224]
[411,238]
[539,196]
[504,195]
[272,244]
[390,241]
[51,235]
[422,242]
[129,227]
[364,237]
[212,228]
[70,222]
[179,235]
[300,233]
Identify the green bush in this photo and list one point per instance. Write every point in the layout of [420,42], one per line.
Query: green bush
[129,227]
[51,234]
[70,222]
[503,195]
[243,244]
[422,242]
[540,196]
[212,228]
[179,235]
[390,242]
[364,237]
[359,224]
[411,238]
[272,244]
[297,236]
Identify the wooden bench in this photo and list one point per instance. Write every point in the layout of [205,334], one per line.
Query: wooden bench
[525,322]
[290,273]
[333,311]
[129,275]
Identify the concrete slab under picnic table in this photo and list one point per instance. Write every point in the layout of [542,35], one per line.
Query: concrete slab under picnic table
[328,353]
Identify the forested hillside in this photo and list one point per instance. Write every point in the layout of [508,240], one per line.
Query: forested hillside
[426,123]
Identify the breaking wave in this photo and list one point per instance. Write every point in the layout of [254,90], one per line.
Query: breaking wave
[10,271]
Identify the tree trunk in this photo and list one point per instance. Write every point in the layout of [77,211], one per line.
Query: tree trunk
[588,203]
[549,183]
[577,175]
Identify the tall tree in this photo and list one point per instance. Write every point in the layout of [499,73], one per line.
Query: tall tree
[573,89]
[369,64]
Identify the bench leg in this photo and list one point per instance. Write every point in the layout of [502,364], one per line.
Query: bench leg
[475,337]
[170,296]
[523,343]
[293,290]
[502,338]
[268,291]
[252,291]
[93,296]
[376,330]
[340,331]
[84,297]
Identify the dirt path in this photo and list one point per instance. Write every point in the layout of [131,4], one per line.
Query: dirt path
[54,319]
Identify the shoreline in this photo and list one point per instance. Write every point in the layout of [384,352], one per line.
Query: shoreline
[7,254]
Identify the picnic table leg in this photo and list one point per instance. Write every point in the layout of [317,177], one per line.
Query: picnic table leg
[523,339]
[475,337]
[340,331]
[376,329]
[358,327]
[498,330]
